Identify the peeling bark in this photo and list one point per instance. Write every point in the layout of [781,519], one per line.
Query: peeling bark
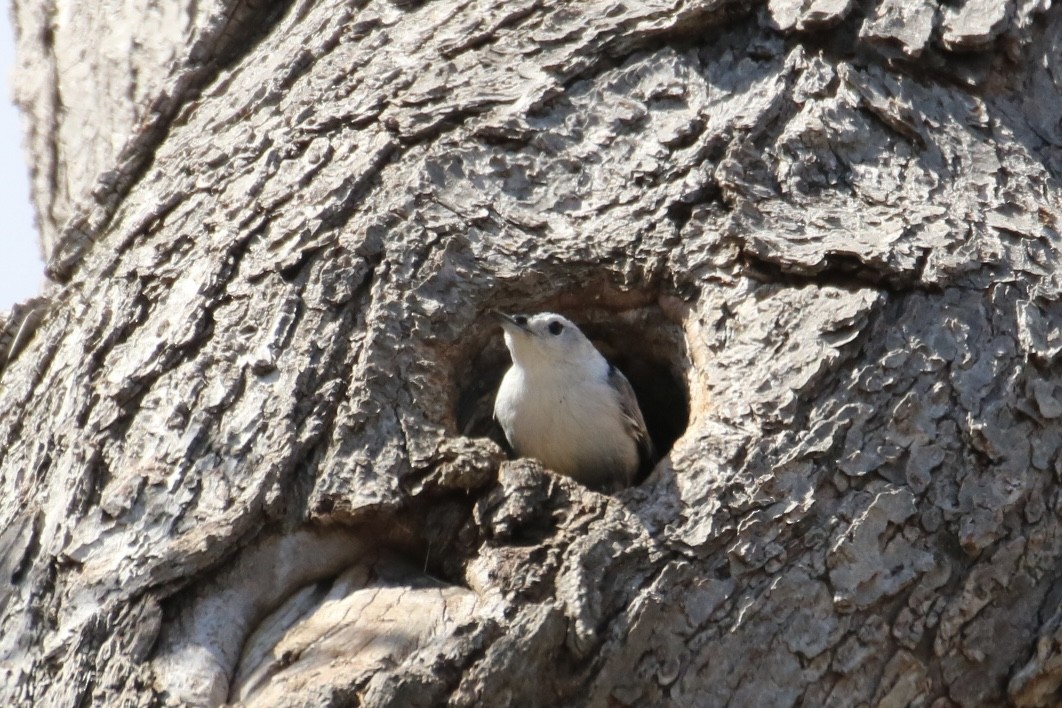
[245,449]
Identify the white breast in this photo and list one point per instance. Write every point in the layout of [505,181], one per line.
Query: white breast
[575,427]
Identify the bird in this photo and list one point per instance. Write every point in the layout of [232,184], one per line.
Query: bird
[564,404]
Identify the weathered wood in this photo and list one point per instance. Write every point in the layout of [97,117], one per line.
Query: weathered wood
[243,453]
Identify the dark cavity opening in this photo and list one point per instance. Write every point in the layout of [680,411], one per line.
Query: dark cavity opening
[647,346]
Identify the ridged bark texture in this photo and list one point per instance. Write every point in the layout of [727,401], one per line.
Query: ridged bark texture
[245,449]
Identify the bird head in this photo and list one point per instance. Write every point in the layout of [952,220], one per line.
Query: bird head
[546,339]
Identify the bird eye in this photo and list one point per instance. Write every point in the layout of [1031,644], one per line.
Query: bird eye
[520,320]
[555,328]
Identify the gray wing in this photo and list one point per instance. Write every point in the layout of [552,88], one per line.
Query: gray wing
[632,414]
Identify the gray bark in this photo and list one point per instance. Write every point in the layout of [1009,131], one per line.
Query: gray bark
[243,449]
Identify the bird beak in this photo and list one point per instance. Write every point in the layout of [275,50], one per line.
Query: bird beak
[507,320]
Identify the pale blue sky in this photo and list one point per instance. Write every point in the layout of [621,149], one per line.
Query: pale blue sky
[21,270]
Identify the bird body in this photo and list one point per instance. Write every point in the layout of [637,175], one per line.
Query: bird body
[564,404]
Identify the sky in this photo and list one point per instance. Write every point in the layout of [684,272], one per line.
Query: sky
[21,270]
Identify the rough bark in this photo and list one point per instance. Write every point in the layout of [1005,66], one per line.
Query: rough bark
[244,450]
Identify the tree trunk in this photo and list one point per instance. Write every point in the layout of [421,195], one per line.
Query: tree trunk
[246,445]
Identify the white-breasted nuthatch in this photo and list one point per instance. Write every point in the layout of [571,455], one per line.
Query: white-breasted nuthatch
[564,404]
